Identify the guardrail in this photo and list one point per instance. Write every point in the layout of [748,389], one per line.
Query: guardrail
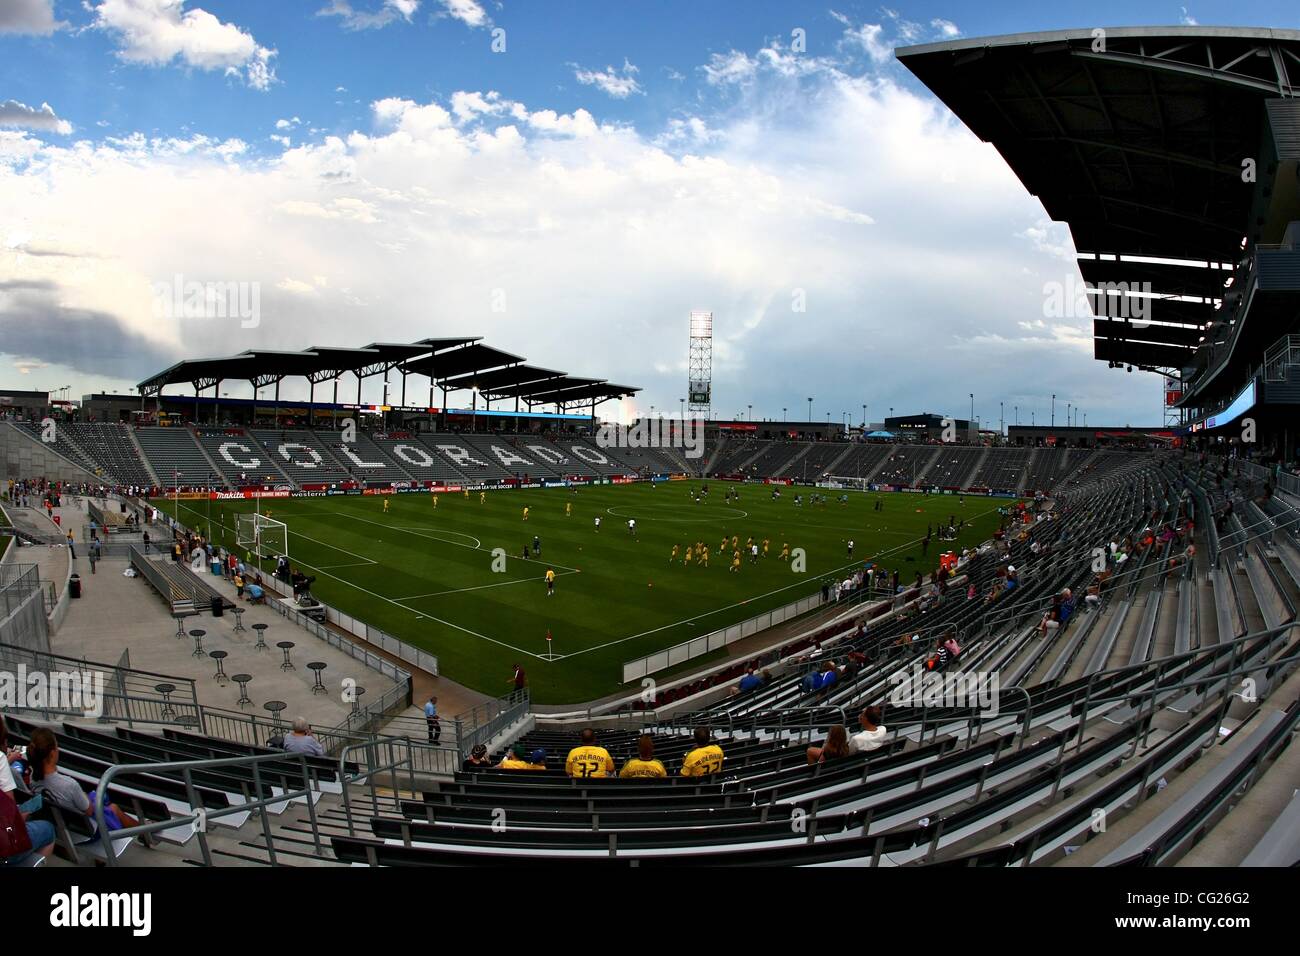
[488,719]
[716,640]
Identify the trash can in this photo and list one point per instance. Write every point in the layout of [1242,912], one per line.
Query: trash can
[217,609]
[74,586]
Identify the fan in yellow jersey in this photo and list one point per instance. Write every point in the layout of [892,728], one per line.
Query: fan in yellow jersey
[515,760]
[644,763]
[674,556]
[385,506]
[525,514]
[587,759]
[705,759]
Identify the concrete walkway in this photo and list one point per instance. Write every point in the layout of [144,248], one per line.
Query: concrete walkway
[117,613]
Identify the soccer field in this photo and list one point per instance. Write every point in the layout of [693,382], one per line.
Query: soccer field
[429,576]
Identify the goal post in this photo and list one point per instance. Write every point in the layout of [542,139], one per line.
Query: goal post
[262,536]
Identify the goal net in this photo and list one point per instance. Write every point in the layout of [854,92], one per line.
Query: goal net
[262,536]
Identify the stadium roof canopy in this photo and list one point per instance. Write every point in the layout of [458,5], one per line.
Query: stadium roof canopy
[451,364]
[1138,139]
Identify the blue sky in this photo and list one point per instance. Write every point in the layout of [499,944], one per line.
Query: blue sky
[383,169]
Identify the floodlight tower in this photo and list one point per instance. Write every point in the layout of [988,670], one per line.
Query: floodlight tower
[700,385]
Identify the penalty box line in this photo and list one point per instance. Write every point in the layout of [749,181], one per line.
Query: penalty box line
[398,603]
[429,537]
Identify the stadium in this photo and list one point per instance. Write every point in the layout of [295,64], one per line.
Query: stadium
[497,619]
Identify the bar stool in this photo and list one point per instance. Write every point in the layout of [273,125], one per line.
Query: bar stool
[242,680]
[261,644]
[180,624]
[356,698]
[166,691]
[318,687]
[286,646]
[197,634]
[275,707]
[220,675]
[239,618]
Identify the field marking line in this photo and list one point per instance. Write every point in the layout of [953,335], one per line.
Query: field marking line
[759,597]
[743,514]
[454,544]
[404,607]
[480,587]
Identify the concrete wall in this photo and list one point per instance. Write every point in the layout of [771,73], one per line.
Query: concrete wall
[22,456]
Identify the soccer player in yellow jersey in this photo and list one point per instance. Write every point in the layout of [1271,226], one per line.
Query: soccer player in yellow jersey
[550,581]
[735,541]
[482,497]
[466,492]
[435,501]
[674,557]
[385,506]
[568,508]
[705,759]
[785,551]
[687,558]
[525,514]
[704,557]
[723,545]
[587,759]
[644,763]
[735,561]
[766,542]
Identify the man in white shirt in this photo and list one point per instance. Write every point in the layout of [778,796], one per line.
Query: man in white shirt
[872,735]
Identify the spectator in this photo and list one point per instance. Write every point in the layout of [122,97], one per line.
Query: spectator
[835,747]
[301,741]
[514,760]
[706,758]
[872,735]
[588,759]
[750,681]
[519,678]
[644,763]
[478,758]
[64,792]
[40,833]
[431,718]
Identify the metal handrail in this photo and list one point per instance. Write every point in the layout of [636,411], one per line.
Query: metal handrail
[187,768]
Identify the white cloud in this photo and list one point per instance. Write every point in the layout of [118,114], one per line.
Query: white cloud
[730,68]
[371,19]
[947,30]
[618,83]
[157,32]
[468,12]
[816,177]
[1186,19]
[13,113]
[28,16]
[287,123]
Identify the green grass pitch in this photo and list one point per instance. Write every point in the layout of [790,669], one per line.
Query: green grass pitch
[427,574]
